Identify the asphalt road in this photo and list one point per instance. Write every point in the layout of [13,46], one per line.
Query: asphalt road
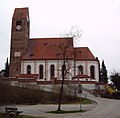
[40,110]
[106,108]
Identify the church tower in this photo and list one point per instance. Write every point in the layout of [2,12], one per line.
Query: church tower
[19,39]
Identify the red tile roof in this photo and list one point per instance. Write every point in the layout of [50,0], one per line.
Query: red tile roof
[83,53]
[50,49]
[24,12]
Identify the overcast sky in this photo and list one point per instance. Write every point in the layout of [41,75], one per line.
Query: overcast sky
[99,21]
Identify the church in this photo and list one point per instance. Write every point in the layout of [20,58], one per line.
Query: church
[48,59]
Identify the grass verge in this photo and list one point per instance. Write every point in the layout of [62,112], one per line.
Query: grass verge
[62,111]
[20,116]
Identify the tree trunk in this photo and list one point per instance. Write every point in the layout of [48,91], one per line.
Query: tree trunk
[61,89]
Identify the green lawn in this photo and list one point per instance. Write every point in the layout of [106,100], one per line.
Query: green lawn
[62,111]
[20,116]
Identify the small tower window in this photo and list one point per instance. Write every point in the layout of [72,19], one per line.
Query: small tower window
[19,14]
[18,25]
[18,22]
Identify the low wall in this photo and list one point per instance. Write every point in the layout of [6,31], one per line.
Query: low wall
[89,85]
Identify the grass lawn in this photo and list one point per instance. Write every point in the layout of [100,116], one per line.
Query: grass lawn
[20,116]
[62,111]
[19,95]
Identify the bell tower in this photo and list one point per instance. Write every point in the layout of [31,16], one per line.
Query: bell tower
[19,39]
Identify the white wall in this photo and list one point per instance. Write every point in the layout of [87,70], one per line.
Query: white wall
[95,64]
[51,62]
[82,63]
[24,65]
[58,64]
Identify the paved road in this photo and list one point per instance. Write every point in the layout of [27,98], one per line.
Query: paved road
[40,110]
[106,108]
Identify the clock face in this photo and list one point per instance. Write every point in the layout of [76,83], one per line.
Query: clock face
[17,54]
[18,27]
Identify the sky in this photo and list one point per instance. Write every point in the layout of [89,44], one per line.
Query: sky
[97,20]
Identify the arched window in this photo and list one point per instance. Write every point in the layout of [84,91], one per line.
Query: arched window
[52,71]
[80,70]
[41,71]
[64,74]
[92,72]
[28,69]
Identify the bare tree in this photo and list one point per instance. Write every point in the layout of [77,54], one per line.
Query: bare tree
[64,49]
[66,52]
[74,32]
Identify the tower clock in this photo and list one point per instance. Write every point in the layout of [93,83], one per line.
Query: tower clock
[19,39]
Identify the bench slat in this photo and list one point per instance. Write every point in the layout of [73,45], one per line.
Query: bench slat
[10,110]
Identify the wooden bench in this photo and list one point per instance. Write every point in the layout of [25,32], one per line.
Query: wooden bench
[12,110]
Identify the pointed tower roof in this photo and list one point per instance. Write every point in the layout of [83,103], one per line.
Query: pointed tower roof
[21,12]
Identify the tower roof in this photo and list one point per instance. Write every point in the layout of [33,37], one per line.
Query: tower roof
[21,12]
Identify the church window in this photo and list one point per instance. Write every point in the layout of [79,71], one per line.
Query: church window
[28,69]
[41,71]
[52,71]
[80,69]
[92,72]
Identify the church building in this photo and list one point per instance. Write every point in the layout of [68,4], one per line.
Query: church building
[45,59]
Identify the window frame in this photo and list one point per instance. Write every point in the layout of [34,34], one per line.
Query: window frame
[92,71]
[80,70]
[52,71]
[28,69]
[41,73]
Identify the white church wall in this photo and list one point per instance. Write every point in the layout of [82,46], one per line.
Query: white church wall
[58,66]
[97,71]
[51,62]
[95,64]
[71,69]
[82,63]
[38,63]
[89,86]
[24,65]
